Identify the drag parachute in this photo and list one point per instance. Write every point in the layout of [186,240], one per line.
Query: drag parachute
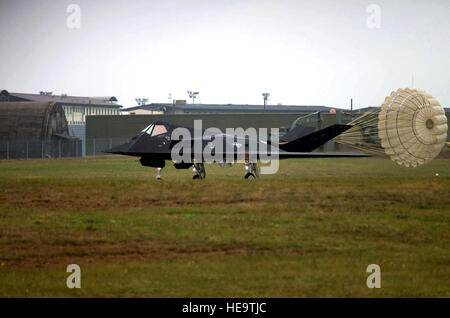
[412,127]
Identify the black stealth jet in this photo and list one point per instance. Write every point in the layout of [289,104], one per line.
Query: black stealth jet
[154,145]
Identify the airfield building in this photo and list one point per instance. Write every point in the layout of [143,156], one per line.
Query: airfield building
[35,130]
[184,108]
[105,132]
[75,108]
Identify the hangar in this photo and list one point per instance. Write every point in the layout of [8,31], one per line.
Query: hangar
[75,108]
[35,130]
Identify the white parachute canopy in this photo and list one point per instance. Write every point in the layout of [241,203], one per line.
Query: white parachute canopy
[412,127]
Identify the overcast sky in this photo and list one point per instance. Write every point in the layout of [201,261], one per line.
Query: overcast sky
[301,52]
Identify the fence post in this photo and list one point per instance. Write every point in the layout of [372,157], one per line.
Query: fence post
[7,150]
[59,147]
[42,149]
[27,149]
[76,148]
[94,147]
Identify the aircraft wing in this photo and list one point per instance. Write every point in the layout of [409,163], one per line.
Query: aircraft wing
[286,155]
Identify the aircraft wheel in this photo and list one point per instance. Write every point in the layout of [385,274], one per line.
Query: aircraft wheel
[250,176]
[196,177]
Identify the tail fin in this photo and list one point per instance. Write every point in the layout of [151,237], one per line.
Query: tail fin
[314,140]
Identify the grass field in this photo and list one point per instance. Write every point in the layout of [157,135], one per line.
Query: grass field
[309,231]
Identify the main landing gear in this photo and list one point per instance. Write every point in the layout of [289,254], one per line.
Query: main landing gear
[252,168]
[200,172]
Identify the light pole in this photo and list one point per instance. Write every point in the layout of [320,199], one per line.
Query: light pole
[266,97]
[141,101]
[193,95]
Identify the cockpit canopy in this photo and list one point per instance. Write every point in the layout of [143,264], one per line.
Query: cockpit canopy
[155,130]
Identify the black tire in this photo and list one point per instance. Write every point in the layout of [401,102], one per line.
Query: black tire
[196,177]
[250,176]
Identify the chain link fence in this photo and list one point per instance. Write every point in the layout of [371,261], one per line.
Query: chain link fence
[59,148]
[97,146]
[27,149]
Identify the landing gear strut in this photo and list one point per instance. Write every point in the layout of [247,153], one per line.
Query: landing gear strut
[252,168]
[200,172]
[158,174]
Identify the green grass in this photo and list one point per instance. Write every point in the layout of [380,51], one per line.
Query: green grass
[310,230]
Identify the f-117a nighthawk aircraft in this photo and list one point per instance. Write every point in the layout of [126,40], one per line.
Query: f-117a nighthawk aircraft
[155,145]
